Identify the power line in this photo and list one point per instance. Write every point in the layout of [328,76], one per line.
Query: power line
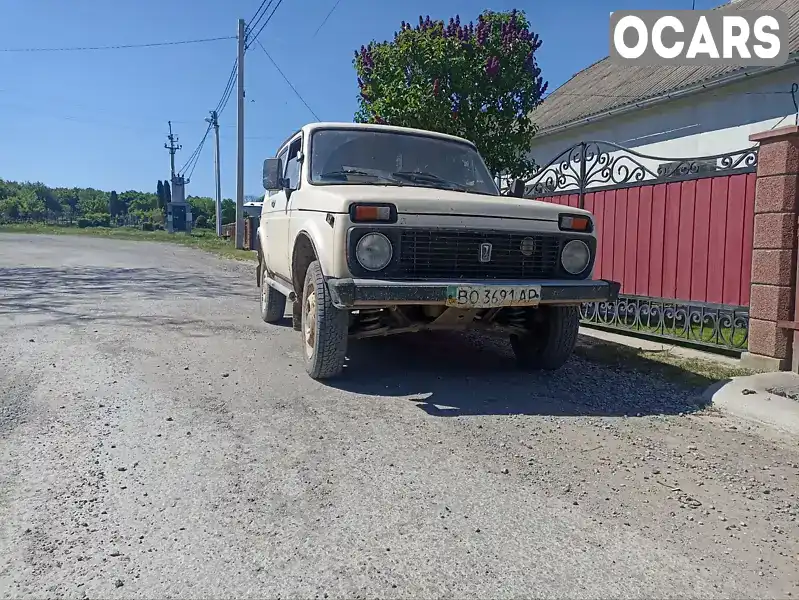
[335,6]
[228,89]
[256,18]
[119,47]
[255,37]
[286,79]
[195,156]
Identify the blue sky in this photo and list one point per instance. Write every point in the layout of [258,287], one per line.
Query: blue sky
[99,118]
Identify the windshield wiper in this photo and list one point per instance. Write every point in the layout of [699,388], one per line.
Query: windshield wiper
[424,177]
[345,172]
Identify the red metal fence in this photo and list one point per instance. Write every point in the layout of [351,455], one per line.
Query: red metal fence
[677,233]
[687,240]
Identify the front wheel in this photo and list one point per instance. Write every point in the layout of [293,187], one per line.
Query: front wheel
[324,327]
[550,340]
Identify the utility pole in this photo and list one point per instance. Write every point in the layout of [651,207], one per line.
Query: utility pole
[214,121]
[240,142]
[173,147]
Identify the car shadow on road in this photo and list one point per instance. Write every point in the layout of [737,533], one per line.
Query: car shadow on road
[451,375]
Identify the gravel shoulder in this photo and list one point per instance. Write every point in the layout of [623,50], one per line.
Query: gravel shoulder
[158,440]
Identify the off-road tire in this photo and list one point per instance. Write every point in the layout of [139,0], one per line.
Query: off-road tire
[273,303]
[549,343]
[332,324]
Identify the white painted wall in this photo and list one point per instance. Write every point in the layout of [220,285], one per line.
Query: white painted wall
[712,122]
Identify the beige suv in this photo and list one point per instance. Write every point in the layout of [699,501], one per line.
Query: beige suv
[372,230]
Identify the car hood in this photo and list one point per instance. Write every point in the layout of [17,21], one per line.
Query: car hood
[430,201]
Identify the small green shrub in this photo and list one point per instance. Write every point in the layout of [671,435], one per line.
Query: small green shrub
[146,226]
[158,227]
[201,222]
[99,219]
[84,222]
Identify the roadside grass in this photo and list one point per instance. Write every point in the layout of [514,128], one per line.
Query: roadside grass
[687,372]
[695,334]
[202,239]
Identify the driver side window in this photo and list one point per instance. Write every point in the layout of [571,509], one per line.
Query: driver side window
[292,172]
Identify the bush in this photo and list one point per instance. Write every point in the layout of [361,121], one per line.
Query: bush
[201,222]
[99,219]
[158,227]
[84,222]
[146,226]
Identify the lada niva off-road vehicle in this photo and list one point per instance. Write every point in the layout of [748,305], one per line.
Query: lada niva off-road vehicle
[372,230]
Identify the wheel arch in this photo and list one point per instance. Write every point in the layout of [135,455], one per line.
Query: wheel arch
[303,253]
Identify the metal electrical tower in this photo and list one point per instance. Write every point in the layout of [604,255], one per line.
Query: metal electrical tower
[214,121]
[173,147]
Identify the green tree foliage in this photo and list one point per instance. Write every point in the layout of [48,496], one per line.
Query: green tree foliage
[95,207]
[160,192]
[228,211]
[26,200]
[202,206]
[67,198]
[167,194]
[92,201]
[115,206]
[138,202]
[25,203]
[479,81]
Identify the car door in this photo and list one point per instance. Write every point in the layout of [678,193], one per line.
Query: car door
[293,179]
[274,217]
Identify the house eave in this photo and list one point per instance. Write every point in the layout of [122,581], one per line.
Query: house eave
[688,91]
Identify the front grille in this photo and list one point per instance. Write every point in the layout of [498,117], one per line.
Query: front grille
[455,254]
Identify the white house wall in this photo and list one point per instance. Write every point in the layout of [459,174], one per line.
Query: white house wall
[712,122]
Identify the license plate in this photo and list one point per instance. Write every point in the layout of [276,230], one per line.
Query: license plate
[479,296]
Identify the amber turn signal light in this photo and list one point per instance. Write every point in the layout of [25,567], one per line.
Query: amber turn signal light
[575,223]
[373,213]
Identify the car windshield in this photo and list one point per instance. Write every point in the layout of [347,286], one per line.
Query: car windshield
[369,156]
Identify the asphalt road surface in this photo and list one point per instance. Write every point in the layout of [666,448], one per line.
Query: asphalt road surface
[157,439]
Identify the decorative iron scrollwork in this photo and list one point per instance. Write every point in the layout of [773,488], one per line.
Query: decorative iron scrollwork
[597,164]
[714,325]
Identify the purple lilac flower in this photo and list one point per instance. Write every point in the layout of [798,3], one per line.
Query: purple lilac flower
[492,67]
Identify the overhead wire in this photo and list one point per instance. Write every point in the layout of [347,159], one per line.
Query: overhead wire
[259,15]
[195,156]
[269,18]
[332,10]
[286,79]
[228,88]
[120,46]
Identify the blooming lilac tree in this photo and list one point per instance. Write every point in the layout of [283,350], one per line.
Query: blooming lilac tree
[477,81]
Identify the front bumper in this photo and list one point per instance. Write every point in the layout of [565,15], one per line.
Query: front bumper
[364,293]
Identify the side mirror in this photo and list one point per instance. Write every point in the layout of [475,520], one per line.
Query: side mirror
[516,188]
[272,180]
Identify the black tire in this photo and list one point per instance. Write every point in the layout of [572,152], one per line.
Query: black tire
[273,303]
[550,341]
[328,344]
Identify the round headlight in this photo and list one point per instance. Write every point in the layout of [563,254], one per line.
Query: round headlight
[575,257]
[374,251]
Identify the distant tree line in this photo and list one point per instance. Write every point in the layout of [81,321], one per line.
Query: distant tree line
[27,201]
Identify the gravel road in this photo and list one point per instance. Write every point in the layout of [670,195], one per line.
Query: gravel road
[158,440]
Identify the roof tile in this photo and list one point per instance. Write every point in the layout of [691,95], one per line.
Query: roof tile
[604,86]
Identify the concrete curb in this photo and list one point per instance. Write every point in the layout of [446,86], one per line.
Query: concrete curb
[748,398]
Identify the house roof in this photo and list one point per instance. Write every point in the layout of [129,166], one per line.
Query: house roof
[604,86]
